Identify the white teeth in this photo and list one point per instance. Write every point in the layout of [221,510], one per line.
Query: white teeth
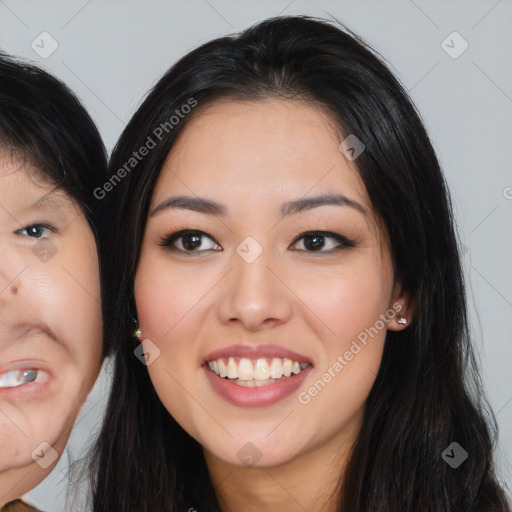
[245,369]
[259,372]
[276,368]
[287,367]
[232,369]
[256,383]
[222,368]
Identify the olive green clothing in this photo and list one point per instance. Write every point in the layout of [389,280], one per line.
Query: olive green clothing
[18,506]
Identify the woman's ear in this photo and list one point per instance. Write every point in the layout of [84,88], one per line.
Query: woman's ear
[402,306]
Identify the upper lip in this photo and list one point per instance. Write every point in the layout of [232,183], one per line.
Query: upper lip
[256,352]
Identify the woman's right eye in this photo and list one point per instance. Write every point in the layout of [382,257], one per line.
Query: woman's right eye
[188,241]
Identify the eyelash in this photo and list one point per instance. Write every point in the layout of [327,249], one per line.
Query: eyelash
[169,240]
[31,226]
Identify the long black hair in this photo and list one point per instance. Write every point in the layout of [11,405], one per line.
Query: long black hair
[427,393]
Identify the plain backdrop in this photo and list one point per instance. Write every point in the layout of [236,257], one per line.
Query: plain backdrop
[111,52]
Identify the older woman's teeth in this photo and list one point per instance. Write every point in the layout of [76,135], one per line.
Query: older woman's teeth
[256,373]
[17,378]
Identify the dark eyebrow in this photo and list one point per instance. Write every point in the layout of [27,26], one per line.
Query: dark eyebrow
[307,203]
[207,206]
[196,204]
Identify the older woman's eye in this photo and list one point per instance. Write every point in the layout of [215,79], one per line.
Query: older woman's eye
[17,378]
[322,241]
[189,241]
[35,230]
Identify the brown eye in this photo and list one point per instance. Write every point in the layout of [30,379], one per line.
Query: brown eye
[322,241]
[189,241]
[314,242]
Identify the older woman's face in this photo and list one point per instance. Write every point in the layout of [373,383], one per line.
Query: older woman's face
[50,324]
[261,268]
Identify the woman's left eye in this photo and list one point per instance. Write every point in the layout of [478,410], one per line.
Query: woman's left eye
[17,378]
[323,241]
[35,230]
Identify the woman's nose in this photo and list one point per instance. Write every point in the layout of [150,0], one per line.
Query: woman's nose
[253,294]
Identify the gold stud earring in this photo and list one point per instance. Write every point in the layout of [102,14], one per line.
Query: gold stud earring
[138,333]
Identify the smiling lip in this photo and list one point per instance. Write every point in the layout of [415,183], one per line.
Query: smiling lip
[255,396]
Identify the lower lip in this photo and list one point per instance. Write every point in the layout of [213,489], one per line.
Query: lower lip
[257,396]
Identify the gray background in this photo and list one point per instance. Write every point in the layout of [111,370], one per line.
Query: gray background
[111,52]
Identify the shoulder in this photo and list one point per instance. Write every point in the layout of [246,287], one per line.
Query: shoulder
[18,506]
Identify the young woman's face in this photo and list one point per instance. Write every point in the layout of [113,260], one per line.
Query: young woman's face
[50,322]
[270,279]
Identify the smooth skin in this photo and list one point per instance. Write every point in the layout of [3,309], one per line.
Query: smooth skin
[50,320]
[252,157]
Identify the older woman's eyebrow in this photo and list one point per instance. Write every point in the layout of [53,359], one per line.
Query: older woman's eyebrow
[208,206]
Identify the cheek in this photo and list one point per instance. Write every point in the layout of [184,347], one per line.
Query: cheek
[167,299]
[349,308]
[343,302]
[170,311]
[69,299]
[24,428]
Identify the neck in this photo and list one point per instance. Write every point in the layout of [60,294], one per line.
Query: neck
[17,481]
[311,481]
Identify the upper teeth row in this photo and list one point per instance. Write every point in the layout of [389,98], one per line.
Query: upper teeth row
[260,369]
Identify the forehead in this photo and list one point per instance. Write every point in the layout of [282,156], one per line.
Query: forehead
[24,184]
[14,164]
[266,149]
